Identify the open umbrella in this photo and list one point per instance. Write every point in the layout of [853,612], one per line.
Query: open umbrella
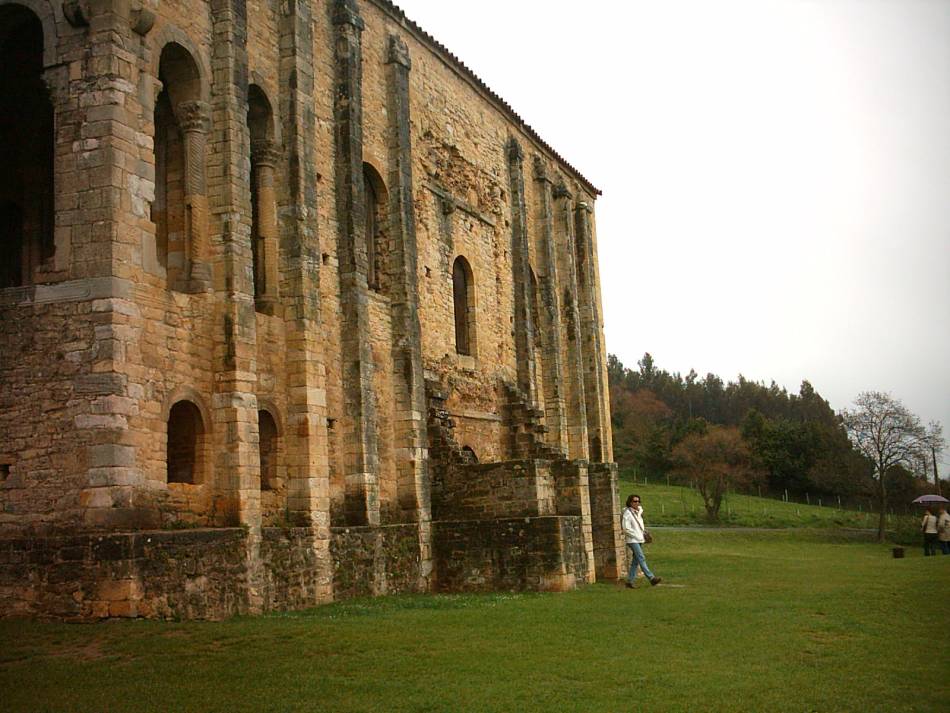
[928,499]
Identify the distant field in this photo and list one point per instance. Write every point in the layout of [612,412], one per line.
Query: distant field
[746,621]
[676,505]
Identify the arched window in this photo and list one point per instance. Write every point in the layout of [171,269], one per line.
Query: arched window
[267,432]
[463,301]
[468,455]
[26,150]
[185,443]
[375,223]
[176,181]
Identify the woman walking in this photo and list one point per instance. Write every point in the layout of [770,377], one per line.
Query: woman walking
[633,531]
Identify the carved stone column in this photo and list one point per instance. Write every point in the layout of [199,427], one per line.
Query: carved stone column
[194,118]
[550,331]
[264,158]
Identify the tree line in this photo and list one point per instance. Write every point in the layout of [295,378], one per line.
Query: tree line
[745,435]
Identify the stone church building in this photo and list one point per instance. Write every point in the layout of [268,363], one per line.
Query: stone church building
[293,308]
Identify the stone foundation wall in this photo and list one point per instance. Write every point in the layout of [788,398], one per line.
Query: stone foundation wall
[188,574]
[296,568]
[516,554]
[369,561]
[493,490]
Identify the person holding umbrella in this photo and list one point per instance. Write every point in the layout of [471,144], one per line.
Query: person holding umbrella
[929,527]
[943,529]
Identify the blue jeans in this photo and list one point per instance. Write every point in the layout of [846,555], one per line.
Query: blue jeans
[638,559]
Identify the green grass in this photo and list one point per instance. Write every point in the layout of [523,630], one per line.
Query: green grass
[677,505]
[773,621]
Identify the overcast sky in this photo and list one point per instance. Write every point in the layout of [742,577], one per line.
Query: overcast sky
[776,176]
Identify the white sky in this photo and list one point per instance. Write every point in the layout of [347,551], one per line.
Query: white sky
[776,176]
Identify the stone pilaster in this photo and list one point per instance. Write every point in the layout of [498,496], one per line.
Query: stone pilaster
[592,353]
[412,462]
[605,507]
[106,170]
[573,498]
[598,307]
[361,501]
[549,331]
[524,325]
[308,498]
[568,284]
[234,400]
[264,158]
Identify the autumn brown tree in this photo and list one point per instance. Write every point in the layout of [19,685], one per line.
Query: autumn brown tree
[716,461]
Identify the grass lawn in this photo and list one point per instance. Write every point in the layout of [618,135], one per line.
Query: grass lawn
[677,505]
[775,621]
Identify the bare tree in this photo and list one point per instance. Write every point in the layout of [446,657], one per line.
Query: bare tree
[887,434]
[935,442]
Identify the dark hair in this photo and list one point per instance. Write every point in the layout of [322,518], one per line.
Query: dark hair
[630,499]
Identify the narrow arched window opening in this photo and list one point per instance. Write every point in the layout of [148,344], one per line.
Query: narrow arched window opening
[375,215]
[26,151]
[267,448]
[179,206]
[463,305]
[185,439]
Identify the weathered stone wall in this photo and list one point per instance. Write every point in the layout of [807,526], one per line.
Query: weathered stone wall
[296,568]
[605,504]
[215,164]
[486,491]
[540,553]
[190,574]
[370,561]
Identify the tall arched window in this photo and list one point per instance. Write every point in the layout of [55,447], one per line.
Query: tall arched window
[375,224]
[463,301]
[179,205]
[267,448]
[26,150]
[185,443]
[264,155]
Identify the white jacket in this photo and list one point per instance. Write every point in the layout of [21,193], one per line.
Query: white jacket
[632,524]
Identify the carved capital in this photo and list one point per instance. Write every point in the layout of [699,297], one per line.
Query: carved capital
[562,191]
[399,52]
[265,152]
[345,12]
[515,152]
[194,116]
[141,20]
[585,207]
[541,170]
[76,12]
